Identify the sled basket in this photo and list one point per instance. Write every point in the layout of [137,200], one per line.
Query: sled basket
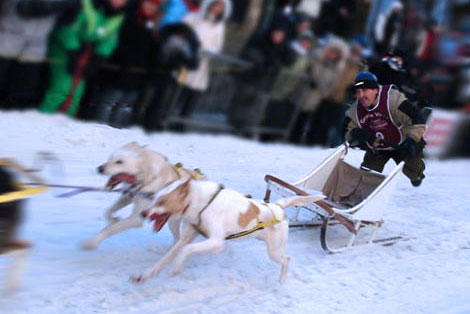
[355,197]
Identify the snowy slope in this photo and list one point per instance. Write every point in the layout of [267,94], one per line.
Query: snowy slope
[428,274]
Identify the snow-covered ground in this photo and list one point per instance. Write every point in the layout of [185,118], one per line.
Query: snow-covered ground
[428,274]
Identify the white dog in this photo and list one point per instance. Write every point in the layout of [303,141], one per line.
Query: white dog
[219,214]
[147,172]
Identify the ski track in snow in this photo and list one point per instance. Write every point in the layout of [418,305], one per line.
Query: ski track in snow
[427,274]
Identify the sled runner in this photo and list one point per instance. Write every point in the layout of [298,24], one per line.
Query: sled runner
[355,198]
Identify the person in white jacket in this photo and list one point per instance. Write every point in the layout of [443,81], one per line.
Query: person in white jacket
[209,25]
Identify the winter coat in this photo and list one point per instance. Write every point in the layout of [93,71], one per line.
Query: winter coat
[401,120]
[292,76]
[136,49]
[253,86]
[211,36]
[91,24]
[21,37]
[339,93]
[324,74]
[267,60]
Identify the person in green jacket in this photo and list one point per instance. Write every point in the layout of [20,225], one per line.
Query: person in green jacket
[83,38]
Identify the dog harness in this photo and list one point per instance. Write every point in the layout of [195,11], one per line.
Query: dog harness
[198,226]
[179,168]
[22,193]
[259,224]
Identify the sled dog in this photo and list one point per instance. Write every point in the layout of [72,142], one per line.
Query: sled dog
[146,172]
[219,214]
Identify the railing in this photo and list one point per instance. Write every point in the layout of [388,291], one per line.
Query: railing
[211,112]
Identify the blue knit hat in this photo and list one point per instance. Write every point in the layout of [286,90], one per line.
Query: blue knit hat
[366,80]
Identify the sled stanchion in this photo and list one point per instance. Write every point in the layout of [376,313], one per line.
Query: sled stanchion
[267,196]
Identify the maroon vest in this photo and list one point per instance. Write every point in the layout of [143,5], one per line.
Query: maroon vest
[379,122]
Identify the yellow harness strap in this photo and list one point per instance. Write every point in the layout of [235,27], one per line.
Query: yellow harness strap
[24,193]
[198,226]
[259,225]
[179,167]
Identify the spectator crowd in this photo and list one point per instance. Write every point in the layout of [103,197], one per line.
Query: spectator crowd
[123,62]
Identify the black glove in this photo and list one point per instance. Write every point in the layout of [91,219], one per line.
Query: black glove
[361,136]
[408,149]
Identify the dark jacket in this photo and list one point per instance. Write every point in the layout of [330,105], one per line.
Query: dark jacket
[267,60]
[136,50]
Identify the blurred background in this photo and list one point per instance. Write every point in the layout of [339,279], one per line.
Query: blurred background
[269,70]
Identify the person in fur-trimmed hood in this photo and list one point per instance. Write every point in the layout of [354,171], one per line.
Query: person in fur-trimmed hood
[327,64]
[386,125]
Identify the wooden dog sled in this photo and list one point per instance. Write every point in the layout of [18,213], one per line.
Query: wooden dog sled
[355,198]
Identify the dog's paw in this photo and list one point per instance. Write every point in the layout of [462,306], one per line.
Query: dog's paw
[88,245]
[176,271]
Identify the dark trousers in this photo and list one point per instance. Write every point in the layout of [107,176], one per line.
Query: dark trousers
[187,101]
[301,128]
[21,85]
[326,124]
[413,168]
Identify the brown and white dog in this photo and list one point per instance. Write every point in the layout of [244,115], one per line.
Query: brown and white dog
[148,172]
[220,213]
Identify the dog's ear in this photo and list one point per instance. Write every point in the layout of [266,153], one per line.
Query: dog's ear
[133,146]
[148,167]
[183,189]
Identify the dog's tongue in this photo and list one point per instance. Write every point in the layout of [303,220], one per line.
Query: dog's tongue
[120,177]
[160,221]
